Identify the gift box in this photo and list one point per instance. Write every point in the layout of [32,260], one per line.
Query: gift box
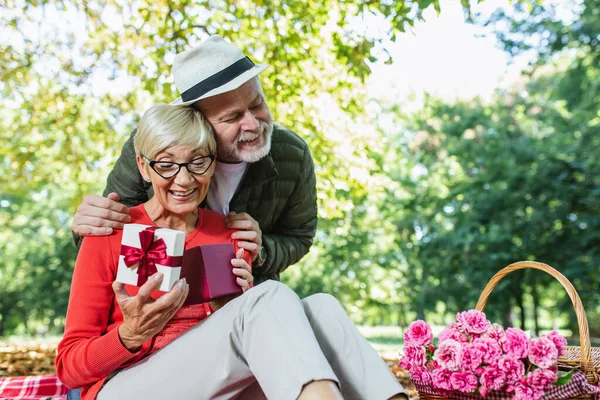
[209,272]
[146,250]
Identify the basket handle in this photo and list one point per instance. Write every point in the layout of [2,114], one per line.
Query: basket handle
[584,330]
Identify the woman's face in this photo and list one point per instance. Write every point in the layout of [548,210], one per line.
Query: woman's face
[183,193]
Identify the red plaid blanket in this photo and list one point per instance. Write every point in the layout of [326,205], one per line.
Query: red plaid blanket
[577,386]
[32,388]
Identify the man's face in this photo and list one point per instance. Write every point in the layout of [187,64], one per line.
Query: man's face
[242,123]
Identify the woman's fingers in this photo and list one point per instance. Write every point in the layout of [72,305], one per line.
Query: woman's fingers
[244,278]
[239,253]
[174,298]
[153,283]
[241,263]
[243,284]
[120,292]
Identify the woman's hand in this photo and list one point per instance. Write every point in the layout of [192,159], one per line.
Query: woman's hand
[249,235]
[242,270]
[144,317]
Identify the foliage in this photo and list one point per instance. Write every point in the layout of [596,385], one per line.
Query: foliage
[417,210]
[76,75]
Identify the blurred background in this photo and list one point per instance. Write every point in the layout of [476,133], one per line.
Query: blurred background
[451,138]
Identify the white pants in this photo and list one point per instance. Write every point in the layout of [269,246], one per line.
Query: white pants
[266,343]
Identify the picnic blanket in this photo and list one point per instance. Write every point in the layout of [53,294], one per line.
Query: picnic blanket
[577,386]
[32,388]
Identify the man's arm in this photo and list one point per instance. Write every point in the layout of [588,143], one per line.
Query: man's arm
[126,181]
[293,234]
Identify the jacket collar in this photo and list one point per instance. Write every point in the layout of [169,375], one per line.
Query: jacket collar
[260,172]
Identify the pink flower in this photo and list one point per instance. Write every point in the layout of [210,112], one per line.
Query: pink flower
[422,375]
[559,341]
[449,332]
[471,357]
[441,379]
[493,378]
[517,343]
[524,392]
[418,334]
[512,367]
[489,348]
[465,382]
[541,378]
[543,352]
[473,321]
[413,356]
[495,332]
[448,355]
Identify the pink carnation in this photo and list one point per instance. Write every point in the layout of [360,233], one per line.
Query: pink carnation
[465,382]
[448,355]
[471,357]
[541,379]
[543,352]
[449,332]
[422,375]
[473,321]
[413,356]
[418,334]
[524,392]
[441,379]
[493,378]
[512,367]
[517,343]
[489,348]
[559,341]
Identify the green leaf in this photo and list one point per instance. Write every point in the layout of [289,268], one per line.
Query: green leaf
[564,378]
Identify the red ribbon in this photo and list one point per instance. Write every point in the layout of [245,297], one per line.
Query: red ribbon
[148,255]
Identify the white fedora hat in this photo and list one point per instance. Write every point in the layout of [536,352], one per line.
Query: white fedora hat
[211,68]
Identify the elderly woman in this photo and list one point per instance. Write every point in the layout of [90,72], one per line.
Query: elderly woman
[127,342]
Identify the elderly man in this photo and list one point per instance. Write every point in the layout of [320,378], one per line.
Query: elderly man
[264,176]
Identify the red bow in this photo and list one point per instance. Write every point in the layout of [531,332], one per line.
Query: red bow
[148,255]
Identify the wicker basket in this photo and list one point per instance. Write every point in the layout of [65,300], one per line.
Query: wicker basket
[583,357]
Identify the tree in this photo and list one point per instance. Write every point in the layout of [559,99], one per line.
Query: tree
[76,75]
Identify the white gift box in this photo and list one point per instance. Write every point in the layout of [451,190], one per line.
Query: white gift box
[174,241]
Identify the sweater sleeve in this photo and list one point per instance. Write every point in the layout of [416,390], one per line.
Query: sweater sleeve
[296,227]
[88,353]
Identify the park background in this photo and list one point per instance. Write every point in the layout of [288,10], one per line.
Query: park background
[450,138]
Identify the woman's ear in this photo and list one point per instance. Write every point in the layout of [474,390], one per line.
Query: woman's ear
[143,168]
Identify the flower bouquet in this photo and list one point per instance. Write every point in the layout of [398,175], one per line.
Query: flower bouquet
[473,356]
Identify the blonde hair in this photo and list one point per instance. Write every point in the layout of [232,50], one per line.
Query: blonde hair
[164,126]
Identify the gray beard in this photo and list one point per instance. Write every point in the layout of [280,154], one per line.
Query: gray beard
[232,153]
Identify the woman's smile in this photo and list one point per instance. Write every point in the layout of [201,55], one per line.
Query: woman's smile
[181,195]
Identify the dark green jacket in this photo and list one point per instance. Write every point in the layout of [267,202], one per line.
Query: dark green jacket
[278,191]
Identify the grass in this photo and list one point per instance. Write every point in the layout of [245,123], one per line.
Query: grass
[387,340]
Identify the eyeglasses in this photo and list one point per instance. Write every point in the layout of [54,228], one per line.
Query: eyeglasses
[168,169]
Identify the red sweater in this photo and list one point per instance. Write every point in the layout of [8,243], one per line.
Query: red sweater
[90,349]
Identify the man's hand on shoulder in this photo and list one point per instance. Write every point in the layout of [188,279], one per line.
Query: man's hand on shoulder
[98,216]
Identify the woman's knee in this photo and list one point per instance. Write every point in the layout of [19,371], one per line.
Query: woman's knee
[322,303]
[271,291]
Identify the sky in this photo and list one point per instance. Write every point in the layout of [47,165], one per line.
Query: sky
[447,57]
